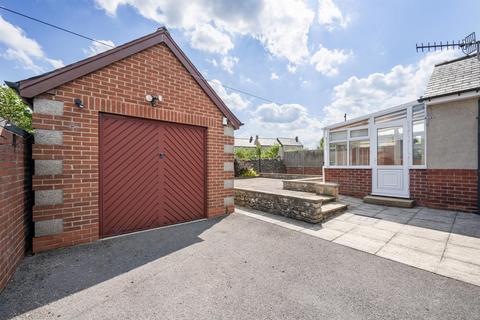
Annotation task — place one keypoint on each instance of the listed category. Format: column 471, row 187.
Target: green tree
column 271, row 152
column 322, row 144
column 14, row 110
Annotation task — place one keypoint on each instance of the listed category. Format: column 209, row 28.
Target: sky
column 304, row 63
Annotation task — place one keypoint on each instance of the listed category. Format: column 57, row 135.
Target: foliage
column 14, row 110
column 252, row 153
column 248, row 173
column 322, row 144
column 246, row 153
column 271, row 152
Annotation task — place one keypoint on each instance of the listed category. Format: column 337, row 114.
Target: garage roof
column 455, row 76
column 34, row 86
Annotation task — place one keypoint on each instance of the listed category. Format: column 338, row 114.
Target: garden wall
column 16, row 199
column 265, row 166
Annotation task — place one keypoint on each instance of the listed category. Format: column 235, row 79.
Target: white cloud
column 27, row 52
column 291, row 68
column 97, row 47
column 280, row 25
column 207, row 38
column 327, row 61
column 233, row 100
column 287, row 120
column 330, row 15
column 361, row 96
column 274, row 76
column 228, row 63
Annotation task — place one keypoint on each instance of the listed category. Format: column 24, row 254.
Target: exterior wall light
column 79, row 103
column 153, row 99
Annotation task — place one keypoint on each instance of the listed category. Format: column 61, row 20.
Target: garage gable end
column 32, row 87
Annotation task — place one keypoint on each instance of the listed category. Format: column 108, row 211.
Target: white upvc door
column 390, row 159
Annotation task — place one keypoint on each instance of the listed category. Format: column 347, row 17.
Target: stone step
column 330, row 209
column 292, row 204
column 313, row 185
column 390, row 201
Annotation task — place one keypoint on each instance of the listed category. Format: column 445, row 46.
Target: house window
column 338, row 154
column 418, row 143
column 360, row 153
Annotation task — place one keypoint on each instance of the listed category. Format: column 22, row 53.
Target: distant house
column 426, row 150
column 244, row 143
column 289, row 144
column 285, row 144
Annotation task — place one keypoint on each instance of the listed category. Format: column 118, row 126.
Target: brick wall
column 305, row 170
column 15, row 201
column 353, row 182
column 454, row 189
column 71, row 188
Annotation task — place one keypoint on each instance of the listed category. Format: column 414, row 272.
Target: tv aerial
column 468, row 45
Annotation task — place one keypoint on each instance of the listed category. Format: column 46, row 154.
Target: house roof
column 266, row 142
column 289, row 142
column 31, row 87
column 244, row 143
column 455, row 76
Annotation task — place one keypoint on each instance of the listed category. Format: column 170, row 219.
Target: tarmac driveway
column 237, row 267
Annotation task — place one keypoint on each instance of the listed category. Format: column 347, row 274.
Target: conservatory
column 375, row 153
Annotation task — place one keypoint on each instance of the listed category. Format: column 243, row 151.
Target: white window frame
column 327, row 146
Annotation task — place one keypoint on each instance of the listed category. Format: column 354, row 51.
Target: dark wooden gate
column 153, row 174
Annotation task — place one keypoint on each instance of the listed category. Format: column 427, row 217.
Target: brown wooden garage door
column 152, row 174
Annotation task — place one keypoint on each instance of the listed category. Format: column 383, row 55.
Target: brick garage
column 15, row 199
column 67, row 183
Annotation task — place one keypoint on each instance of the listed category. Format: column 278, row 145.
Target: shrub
column 14, row 110
column 248, row 173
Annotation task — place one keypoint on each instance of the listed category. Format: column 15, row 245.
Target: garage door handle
column 162, row 155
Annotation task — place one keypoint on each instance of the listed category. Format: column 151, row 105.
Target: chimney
column 296, row 139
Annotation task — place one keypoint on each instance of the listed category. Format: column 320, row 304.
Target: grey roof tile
column 454, row 76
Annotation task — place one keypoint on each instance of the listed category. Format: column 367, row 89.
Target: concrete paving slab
column 428, row 246
column 459, row 270
column 398, row 218
column 465, row 254
column 433, row 225
column 468, row 216
column 465, row 241
column 466, row 228
column 447, row 216
column 409, row 256
column 362, row 220
column 359, row 242
column 389, row 225
column 373, row 233
column 338, row 225
column 324, row 233
column 344, row 216
column 425, row 233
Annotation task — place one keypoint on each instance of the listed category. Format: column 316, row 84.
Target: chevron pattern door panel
column 152, row 174
column 183, row 173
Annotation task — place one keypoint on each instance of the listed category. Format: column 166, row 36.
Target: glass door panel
column 390, row 146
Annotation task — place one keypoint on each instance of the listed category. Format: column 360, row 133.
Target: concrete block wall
column 15, row 201
column 66, row 143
